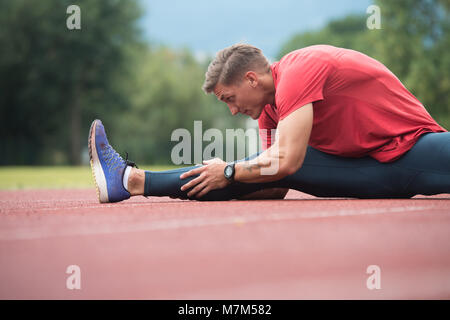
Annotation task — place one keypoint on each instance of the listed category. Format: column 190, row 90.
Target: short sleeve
column 267, row 123
column 301, row 81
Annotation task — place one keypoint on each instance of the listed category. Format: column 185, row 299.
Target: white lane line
column 42, row 231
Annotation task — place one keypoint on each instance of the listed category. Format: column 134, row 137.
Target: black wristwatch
column 229, row 171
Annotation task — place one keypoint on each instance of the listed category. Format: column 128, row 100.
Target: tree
column 54, row 80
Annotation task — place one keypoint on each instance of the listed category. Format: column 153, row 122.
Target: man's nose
column 233, row 109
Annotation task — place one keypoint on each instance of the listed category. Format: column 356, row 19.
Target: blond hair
column 232, row 63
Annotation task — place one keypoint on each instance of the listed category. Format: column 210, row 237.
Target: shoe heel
column 96, row 167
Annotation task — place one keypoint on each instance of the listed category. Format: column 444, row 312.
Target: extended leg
column 425, row 169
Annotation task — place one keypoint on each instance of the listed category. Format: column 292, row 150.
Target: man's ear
column 252, row 78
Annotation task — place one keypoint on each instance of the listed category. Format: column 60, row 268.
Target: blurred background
column 139, row 65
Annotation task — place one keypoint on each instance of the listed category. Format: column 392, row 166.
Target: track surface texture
column 159, row 248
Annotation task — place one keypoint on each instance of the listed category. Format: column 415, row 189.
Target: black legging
column 425, row 169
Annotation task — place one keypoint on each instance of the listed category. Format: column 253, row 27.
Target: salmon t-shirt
column 360, row 107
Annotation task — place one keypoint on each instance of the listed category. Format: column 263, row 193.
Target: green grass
column 58, row 177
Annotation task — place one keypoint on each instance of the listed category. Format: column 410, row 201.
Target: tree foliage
column 53, row 79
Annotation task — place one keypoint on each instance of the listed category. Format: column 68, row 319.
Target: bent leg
column 429, row 159
column 326, row 175
column 266, row 194
column 425, row 169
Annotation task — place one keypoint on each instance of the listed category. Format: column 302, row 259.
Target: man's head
column 240, row 76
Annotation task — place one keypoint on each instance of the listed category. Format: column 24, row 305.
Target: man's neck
column 269, row 88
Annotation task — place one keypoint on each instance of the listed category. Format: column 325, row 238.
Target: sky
column 207, row 26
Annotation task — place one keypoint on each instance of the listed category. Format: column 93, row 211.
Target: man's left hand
column 210, row 177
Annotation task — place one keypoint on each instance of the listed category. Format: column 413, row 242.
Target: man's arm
column 286, row 155
column 283, row 158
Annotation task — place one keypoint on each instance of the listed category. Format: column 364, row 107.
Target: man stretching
column 346, row 127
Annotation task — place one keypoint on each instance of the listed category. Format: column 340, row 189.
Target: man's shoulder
column 315, row 51
column 305, row 58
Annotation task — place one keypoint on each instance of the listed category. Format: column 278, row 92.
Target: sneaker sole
column 96, row 167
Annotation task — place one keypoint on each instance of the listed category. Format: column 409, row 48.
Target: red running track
column 159, row 248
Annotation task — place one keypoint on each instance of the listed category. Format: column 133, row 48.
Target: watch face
column 228, row 171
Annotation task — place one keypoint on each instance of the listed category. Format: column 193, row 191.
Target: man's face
column 245, row 97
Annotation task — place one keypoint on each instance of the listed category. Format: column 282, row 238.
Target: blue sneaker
column 107, row 166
